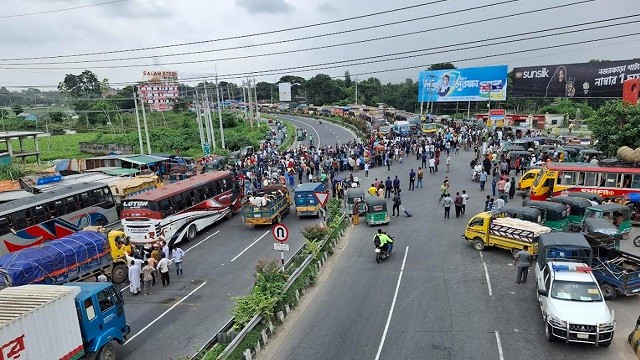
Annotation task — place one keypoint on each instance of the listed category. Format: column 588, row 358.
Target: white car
column 572, row 304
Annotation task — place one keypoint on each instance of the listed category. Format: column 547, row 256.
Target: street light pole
column 219, row 112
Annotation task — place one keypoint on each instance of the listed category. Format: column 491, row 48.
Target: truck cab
column 100, row 309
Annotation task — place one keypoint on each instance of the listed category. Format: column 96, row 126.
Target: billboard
column 597, row 79
column 468, row 84
column 284, row 90
column 159, row 89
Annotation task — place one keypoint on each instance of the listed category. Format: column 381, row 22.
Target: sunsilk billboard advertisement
column 468, row 84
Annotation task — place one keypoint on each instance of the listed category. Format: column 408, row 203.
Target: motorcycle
column 476, row 176
column 320, row 122
column 382, row 254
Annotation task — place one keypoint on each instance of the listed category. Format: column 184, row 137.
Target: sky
column 43, row 28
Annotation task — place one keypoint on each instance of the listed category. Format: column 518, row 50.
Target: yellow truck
column 267, row 207
column 488, row 229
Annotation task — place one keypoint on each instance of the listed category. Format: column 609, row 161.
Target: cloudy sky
column 42, row 29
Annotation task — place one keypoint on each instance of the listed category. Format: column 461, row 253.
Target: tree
column 104, row 87
column 264, row 90
column 347, row 79
column 85, row 85
column 56, row 116
column 568, row 107
column 442, row 66
column 17, row 109
column 614, row 125
column 321, row 90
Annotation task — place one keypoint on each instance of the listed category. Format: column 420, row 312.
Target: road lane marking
column 253, row 243
column 164, row 313
column 393, row 304
column 312, row 128
column 201, row 241
column 486, row 274
column 500, row 353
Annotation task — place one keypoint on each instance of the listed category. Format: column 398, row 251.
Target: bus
column 55, row 214
column 133, row 186
column 560, row 178
column 177, row 211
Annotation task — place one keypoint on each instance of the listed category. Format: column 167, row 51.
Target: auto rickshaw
column 576, row 207
column 376, row 210
column 515, row 154
column 633, row 204
column 596, row 226
column 554, row 214
column 619, row 215
column 527, row 179
column 522, row 213
column 589, row 196
column 350, row 199
column 588, row 154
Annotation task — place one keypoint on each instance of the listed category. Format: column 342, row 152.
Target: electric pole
column 135, row 102
column 209, row 121
column 219, row 111
column 146, row 127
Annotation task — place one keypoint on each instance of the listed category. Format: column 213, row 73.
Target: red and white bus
column 176, row 212
column 558, row 178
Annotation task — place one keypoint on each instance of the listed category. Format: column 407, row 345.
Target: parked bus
column 133, row 186
column 558, row 178
column 177, row 211
column 55, row 214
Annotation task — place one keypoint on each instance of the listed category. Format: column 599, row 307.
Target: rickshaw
column 589, row 196
column 522, row 213
column 633, row 204
column 619, row 215
column 554, row 215
column 376, row 210
column 350, row 199
column 576, row 208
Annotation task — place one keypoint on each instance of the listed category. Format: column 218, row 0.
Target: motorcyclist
column 383, row 241
column 311, row 139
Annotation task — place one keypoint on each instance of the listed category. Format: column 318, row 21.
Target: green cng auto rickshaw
column 618, row 215
column 376, row 210
column 351, row 197
column 576, row 207
column 554, row 215
column 589, row 196
column 522, row 213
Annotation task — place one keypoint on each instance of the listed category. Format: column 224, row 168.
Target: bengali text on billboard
column 601, row 79
column 468, row 84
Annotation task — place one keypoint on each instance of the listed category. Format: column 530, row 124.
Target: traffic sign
column 280, row 247
column 322, row 197
column 280, row 233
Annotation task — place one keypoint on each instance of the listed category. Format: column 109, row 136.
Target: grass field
column 57, row 146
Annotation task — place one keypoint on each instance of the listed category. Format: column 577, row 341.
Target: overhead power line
column 60, row 10
column 271, row 32
column 311, row 37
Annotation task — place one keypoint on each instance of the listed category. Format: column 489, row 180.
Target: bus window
column 59, row 207
column 625, row 181
column 86, row 199
column 609, row 180
column 178, row 203
column 5, row 225
column 200, row 190
column 165, row 207
column 568, row 178
column 107, row 197
column 635, row 182
column 580, row 178
column 590, row 179
column 39, row 214
column 72, row 204
column 21, row 220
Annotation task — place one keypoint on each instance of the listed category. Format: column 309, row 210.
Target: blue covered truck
column 307, row 203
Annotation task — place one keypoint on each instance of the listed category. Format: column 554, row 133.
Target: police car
column 572, row 304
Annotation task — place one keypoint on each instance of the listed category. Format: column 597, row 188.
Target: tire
column 379, row 257
column 636, row 241
column 119, row 273
column 478, row 244
column 192, row 231
column 230, row 214
column 108, row 352
column 605, row 344
column 548, row 334
column 319, row 215
column 609, row 292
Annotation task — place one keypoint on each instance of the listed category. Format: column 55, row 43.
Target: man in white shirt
column 178, row 254
column 505, row 195
column 165, row 249
column 163, row 267
column 465, row 198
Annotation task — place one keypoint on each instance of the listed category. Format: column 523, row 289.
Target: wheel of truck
column 548, row 334
column 191, row 232
column 119, row 273
column 609, row 292
column 319, row 214
column 108, row 352
column 230, row 213
column 478, row 244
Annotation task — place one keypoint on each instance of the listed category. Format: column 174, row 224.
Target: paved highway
column 436, row 298
column 174, row 322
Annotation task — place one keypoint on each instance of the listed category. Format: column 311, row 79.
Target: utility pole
column 249, row 101
column 199, row 120
column 135, row 101
column 146, row 127
column 244, row 99
column 219, row 111
column 356, row 90
column 209, row 121
column 255, row 93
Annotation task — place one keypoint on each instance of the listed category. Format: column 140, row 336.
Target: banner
column 468, row 84
column 597, row 79
column 284, row 89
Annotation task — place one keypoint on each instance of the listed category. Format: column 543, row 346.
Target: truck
column 74, row 321
column 571, row 301
column 488, row 229
column 76, row 257
column 402, row 127
column 307, row 203
column 267, row 207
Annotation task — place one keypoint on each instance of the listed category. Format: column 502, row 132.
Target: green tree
column 17, row 109
column 614, row 125
column 441, row 66
column 85, row 85
column 568, row 107
column 347, row 79
column 56, row 116
column 322, row 89
column 264, row 91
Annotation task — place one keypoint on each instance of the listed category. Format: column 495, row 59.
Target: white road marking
column 486, row 274
column 393, row 304
column 164, row 313
column 500, row 353
column 201, row 241
column 312, row 128
column 253, row 243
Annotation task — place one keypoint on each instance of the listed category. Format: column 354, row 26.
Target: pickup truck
column 487, row 229
column 267, row 207
column 571, row 302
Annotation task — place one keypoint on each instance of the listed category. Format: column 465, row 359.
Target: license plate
column 582, row 336
column 377, row 250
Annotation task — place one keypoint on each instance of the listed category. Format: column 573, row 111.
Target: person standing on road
column 457, row 202
column 355, row 215
column 483, row 179
column 366, row 170
column 424, row 159
column 147, row 277
column 447, row 202
column 396, row 184
column 512, row 188
column 523, row 260
column 420, row 176
column 444, row 190
column 412, row 180
column 494, row 184
column 165, row 249
column 163, row 267
column 134, row 278
column 178, row 254
column 388, row 184
column 488, row 204
column 448, row 162
column 432, row 166
column 505, row 193
column 396, row 204
column 465, row 198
